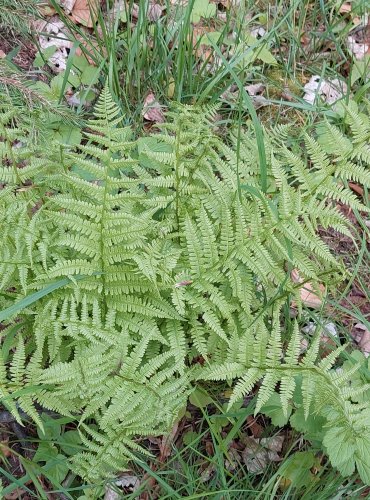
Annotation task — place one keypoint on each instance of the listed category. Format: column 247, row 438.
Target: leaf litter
column 258, row 453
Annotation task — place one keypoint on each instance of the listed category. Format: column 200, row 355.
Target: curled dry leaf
column 310, row 296
column 85, row 12
column 152, row 110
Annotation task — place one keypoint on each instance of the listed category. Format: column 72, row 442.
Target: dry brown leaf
column 85, row 12
column 310, row 296
column 234, row 459
column 207, row 473
column 259, row 452
column 154, row 12
column 89, row 50
column 364, row 343
column 255, row 427
column 67, row 5
column 2, row 54
column 345, row 8
column 152, row 110
column 203, row 49
column 329, row 90
column 356, row 188
column 255, row 89
column 127, row 482
column 165, row 446
column 5, row 451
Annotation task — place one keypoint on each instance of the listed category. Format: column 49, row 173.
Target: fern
column 168, row 262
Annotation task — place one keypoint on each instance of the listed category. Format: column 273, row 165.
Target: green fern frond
column 184, row 275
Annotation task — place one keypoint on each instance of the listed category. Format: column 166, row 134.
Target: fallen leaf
column 364, row 343
column 128, row 483
column 345, row 8
column 258, row 32
column 356, row 188
column 111, row 494
column 85, row 12
column 259, row 452
column 234, row 460
column 296, row 470
column 2, row 54
column 255, row 427
column 67, row 5
column 152, row 110
column 207, row 473
column 90, row 46
column 165, row 446
column 329, row 90
column 358, row 49
column 121, row 9
column 201, row 36
column 54, row 35
column 303, row 345
column 255, row 89
column 154, row 12
column 310, row 296
column 5, row 451
column 209, row 448
column 274, row 443
column 257, row 100
column 328, row 333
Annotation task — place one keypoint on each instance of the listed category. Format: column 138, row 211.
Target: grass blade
column 34, row 297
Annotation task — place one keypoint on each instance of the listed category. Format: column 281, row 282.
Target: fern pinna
column 174, row 254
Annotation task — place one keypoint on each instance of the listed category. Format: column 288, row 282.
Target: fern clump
column 173, row 254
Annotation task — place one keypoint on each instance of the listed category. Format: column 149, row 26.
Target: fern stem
column 177, row 177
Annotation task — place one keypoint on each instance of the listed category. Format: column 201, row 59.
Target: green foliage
column 185, row 265
column 54, row 448
column 202, row 8
column 296, row 470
